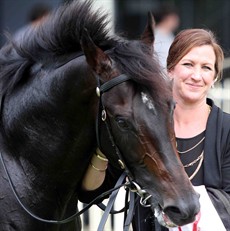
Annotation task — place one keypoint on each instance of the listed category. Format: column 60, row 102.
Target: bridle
column 102, row 116
column 131, row 184
column 133, row 187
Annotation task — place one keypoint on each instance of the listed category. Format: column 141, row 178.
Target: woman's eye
column 122, row 123
column 207, row 68
column 187, row 64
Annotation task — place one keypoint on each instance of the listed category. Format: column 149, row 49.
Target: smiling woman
column 192, row 38
column 194, row 75
column 202, row 129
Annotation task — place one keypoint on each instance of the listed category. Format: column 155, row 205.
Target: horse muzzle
column 173, row 213
column 173, row 216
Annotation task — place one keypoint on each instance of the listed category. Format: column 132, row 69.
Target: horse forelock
column 135, row 59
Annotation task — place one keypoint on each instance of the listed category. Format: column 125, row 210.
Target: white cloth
column 161, row 45
column 209, row 220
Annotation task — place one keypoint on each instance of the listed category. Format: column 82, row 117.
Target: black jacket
column 217, row 161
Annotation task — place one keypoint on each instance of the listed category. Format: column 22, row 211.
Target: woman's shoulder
column 219, row 121
column 225, row 116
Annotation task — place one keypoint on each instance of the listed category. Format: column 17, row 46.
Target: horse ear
column 148, row 36
column 97, row 59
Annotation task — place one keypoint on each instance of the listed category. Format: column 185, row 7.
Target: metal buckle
column 144, row 196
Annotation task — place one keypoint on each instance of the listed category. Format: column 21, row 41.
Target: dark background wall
column 131, row 15
column 14, row 14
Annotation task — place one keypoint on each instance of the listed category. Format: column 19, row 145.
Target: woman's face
column 194, row 74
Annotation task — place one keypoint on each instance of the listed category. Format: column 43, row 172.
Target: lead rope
column 128, row 218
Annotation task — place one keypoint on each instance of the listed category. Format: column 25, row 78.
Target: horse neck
column 50, row 147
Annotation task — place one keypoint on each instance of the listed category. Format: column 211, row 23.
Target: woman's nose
column 197, row 74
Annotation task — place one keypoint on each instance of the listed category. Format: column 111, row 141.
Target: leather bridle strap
column 101, row 111
column 102, row 89
column 111, row 202
column 129, row 217
column 113, row 82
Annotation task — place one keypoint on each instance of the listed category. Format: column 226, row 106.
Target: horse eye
column 172, row 106
column 122, row 123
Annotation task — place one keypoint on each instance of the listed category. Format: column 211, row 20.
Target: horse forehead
column 128, row 101
column 147, row 101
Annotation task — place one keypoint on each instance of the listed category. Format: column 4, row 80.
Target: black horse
column 49, row 127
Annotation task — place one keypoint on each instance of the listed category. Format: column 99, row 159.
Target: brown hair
column 190, row 38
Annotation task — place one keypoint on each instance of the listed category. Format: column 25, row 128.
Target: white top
column 162, row 44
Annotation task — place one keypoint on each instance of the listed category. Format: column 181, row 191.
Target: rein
column 107, row 210
column 72, row 217
column 130, row 185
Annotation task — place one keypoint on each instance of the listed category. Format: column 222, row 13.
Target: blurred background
column 130, row 15
column 128, row 18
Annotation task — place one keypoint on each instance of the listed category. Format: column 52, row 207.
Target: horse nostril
column 179, row 216
column 181, row 212
column 176, row 212
column 172, row 210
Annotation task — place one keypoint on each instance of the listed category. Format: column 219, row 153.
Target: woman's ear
column 170, row 74
column 213, row 83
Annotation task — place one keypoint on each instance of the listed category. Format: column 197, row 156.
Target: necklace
column 190, row 149
column 194, row 161
column 199, row 165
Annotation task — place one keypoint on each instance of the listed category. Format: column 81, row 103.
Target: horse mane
column 58, row 38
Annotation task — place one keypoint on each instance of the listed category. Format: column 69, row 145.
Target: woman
column 202, row 129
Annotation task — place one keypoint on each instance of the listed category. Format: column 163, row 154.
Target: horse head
column 136, row 117
column 49, row 108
